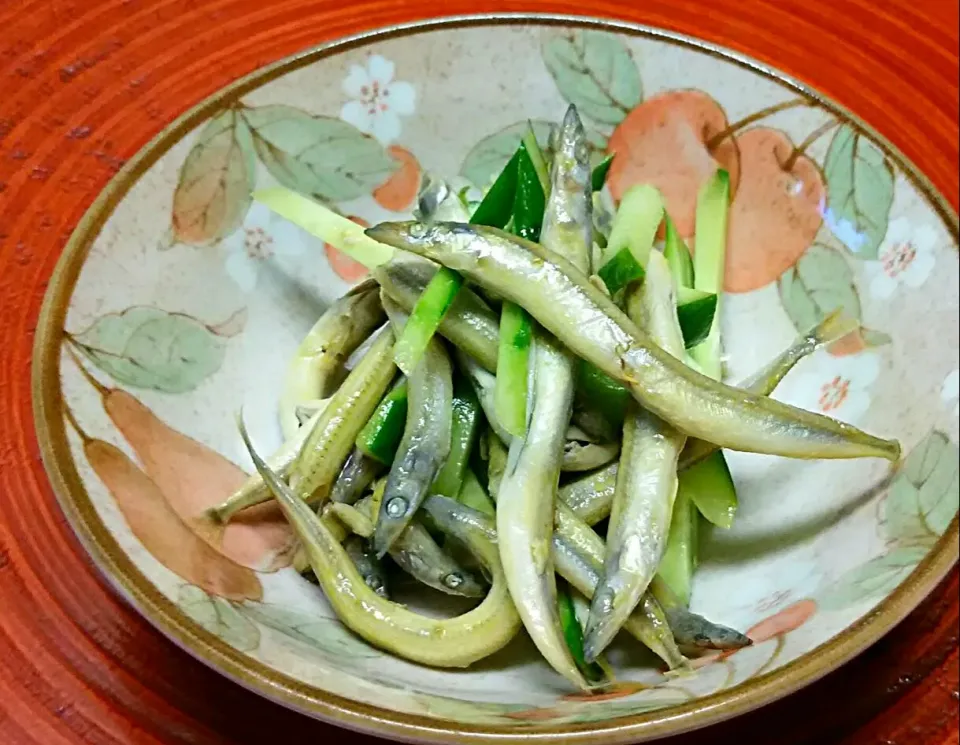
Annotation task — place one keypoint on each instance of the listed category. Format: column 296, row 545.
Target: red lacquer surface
column 86, row 83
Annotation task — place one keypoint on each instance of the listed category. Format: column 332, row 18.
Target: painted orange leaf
column 535, row 715
column 216, row 181
column 193, row 478
column 398, row 192
column 852, row 343
column 162, row 532
column 789, row 619
column 608, row 693
column 708, row 659
column 857, row 341
column 779, row 624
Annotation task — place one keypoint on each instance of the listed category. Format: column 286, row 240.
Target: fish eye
column 397, row 507
column 453, row 580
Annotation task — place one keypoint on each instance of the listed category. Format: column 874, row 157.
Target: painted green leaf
column 819, row 283
column 488, row 157
column 597, row 142
column 874, row 579
column 150, row 348
column 235, row 629
column 197, row 604
column 327, row 635
column 477, row 712
column 219, row 617
column 216, row 181
column 318, row 155
column 874, row 338
column 653, row 700
column 860, row 186
column 595, row 71
column 925, row 494
column 902, row 518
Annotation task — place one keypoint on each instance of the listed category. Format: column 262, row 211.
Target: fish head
column 433, row 192
column 431, row 240
column 463, row 583
column 411, row 235
column 571, row 140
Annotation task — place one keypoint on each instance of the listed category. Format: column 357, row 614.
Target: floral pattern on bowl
column 192, row 297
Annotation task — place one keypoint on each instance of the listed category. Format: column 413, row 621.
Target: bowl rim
column 129, row 582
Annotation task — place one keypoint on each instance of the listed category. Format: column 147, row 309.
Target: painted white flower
column 378, row 101
column 906, row 256
column 838, row 387
column 262, row 237
column 950, row 391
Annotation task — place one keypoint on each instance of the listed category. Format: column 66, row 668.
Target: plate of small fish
column 604, row 413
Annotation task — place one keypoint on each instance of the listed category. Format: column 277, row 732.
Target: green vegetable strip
column 599, row 174
column 380, row 436
column 687, row 295
column 530, row 199
column 603, row 393
column 710, row 486
column 465, row 420
column 636, row 222
column 340, row 232
column 530, row 144
column 513, row 368
column 620, row 270
column 597, row 390
column 696, row 319
column 680, row 557
column 477, row 465
column 473, row 495
column 713, row 204
column 573, row 633
column 496, row 209
column 426, row 316
column 631, row 238
column 516, row 328
column 677, row 255
column 709, row 483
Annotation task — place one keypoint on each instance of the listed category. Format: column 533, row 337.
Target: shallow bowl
column 178, row 300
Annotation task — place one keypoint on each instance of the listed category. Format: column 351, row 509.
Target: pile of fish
column 425, row 465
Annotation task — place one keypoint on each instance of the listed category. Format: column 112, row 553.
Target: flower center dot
column 833, row 394
column 899, row 258
column 258, row 243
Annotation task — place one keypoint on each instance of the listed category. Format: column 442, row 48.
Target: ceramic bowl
column 178, row 300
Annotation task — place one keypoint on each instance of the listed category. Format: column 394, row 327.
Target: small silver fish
column 557, row 295
column 425, row 443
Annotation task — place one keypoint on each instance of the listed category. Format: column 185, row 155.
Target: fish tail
column 834, row 326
